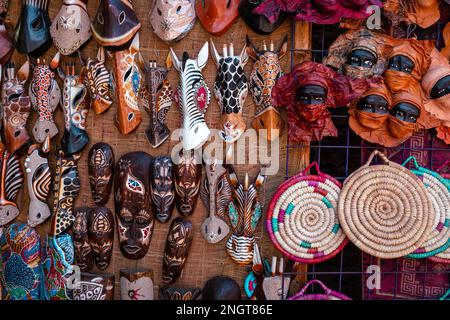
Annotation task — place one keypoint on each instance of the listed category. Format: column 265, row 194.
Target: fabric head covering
column 424, row 13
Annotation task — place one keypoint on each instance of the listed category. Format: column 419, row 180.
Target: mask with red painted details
column 217, row 16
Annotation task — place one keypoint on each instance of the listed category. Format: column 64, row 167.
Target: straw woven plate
column 385, row 209
column 302, row 220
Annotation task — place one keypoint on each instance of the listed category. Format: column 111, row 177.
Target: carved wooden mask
column 230, row 89
column 6, row 46
column 101, row 170
column 83, row 249
column 176, row 293
column 132, row 204
column 193, row 97
column 217, row 16
column 16, row 107
column 171, row 20
column 178, row 244
column 136, row 284
column 101, row 236
column 162, row 187
column 259, row 23
column 221, row 288
column 71, row 27
column 95, row 287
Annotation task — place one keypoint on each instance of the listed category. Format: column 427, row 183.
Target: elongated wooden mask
column 101, row 236
column 187, row 175
column 101, row 170
column 83, row 250
column 162, row 187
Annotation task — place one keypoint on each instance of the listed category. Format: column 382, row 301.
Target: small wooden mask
column 45, row 96
column 16, row 107
column 230, row 89
column 136, row 284
column 171, row 20
column 193, row 97
column 259, row 23
column 95, row 287
column 217, row 16
column 6, row 46
column 101, row 236
column 266, row 71
column 176, row 293
column 178, row 244
column 71, row 28
column 132, row 204
column 83, row 250
column 101, row 170
column 115, row 23
column 162, row 187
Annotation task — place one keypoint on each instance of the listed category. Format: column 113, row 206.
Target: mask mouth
column 130, row 249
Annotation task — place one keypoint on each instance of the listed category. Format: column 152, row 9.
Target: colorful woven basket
column 438, row 190
column 327, row 295
column 385, row 209
column 302, row 221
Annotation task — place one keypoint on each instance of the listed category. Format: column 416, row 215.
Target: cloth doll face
column 405, row 111
column 362, row 58
column 401, row 63
column 311, row 95
column 374, row 104
column 441, row 88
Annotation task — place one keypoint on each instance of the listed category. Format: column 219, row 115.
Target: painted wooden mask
column 101, row 236
column 23, row 277
column 115, row 23
column 136, row 284
column 171, row 20
column 266, row 71
column 16, row 107
column 6, row 46
column 132, row 204
column 94, row 287
column 83, row 249
column 217, row 16
column 71, row 28
column 176, row 293
column 101, row 170
column 162, row 187
column 75, row 106
column 45, row 96
column 259, row 23
column 127, row 83
column 193, row 97
column 221, row 288
column 178, row 244
column 230, row 89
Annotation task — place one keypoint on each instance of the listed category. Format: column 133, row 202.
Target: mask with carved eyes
column 132, row 204
column 217, row 16
column 162, row 187
column 101, row 236
column 177, row 293
column 101, row 170
column 94, row 287
column 83, row 248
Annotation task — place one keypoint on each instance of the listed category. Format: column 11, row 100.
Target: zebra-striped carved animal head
column 192, row 97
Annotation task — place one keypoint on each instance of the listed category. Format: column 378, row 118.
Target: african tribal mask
column 101, row 169
column 6, row 46
column 178, row 244
column 230, row 89
column 171, row 20
column 75, row 106
column 127, row 82
column 16, row 107
column 83, row 250
column 266, row 71
column 158, row 99
column 217, row 16
column 11, row 180
column 187, row 175
column 101, row 236
column 23, row 277
column 39, row 179
column 175, row 293
column 71, row 27
column 192, row 97
column 244, row 212
column 136, row 284
column 216, row 195
column 94, row 287
column 221, row 288
column 162, row 187
column 45, row 95
column 259, row 23
column 97, row 80
column 132, row 204
column 115, row 23
column 32, row 35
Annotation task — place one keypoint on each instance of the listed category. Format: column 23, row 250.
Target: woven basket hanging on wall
column 302, row 220
column 385, row 209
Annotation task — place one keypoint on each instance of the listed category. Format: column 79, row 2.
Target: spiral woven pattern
column 385, row 210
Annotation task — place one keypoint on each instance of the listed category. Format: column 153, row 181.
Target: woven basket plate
column 385, row 209
column 302, row 220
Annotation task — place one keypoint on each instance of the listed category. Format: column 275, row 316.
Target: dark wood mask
column 101, row 236
column 136, row 284
column 101, row 170
column 6, row 46
column 162, row 187
column 178, row 244
column 83, row 250
column 259, row 23
column 132, row 204
column 221, row 288
column 217, row 16
column 95, row 287
column 187, row 175
column 176, row 293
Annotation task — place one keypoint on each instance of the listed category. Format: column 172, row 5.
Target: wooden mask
column 11, row 180
column 71, row 27
column 221, row 288
column 259, row 23
column 132, row 204
column 101, row 236
column 45, row 96
column 75, row 106
column 101, row 170
column 178, row 243
column 6, row 46
column 97, row 80
column 127, row 83
column 193, row 97
column 39, row 179
column 230, row 89
column 16, row 107
column 175, row 293
column 115, row 23
column 171, row 20
column 94, row 287
column 266, row 71
column 83, row 250
column 244, row 212
column 162, row 187
column 217, row 16
column 136, row 284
